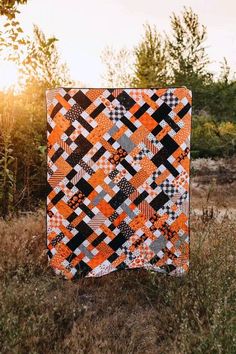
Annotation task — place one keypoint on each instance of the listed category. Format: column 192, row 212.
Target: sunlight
column 8, row 75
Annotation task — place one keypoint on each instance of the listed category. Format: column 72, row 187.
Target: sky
column 84, row 28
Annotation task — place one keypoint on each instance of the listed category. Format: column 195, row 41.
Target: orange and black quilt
column 118, row 180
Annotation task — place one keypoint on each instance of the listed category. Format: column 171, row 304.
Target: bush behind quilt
column 118, row 180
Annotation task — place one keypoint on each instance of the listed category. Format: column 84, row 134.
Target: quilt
column 118, row 163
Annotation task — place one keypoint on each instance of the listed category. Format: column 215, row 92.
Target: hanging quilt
column 118, row 180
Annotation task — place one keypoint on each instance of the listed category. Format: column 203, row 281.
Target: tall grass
column 7, row 178
column 131, row 311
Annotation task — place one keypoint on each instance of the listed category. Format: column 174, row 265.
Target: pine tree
column 187, row 55
column 150, row 60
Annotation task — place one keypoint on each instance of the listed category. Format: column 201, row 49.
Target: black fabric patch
column 98, row 154
column 82, row 270
column 82, row 99
column 84, row 187
column 161, row 112
column 57, row 154
column 57, row 197
column 125, row 100
column 117, row 241
column 184, row 110
column 140, row 198
column 99, row 239
column 169, row 144
column 117, row 200
column 159, row 201
column 97, row 110
column 56, row 109
column 141, row 110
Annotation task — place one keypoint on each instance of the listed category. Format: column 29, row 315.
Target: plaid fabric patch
column 118, row 180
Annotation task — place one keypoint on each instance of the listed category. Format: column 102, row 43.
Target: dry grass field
column 132, row 311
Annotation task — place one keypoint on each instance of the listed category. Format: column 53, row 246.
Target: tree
column 150, row 60
column 9, row 7
column 23, row 154
column 220, row 95
column 37, row 58
column 225, row 72
column 117, row 67
column 211, row 138
column 42, row 61
column 187, row 54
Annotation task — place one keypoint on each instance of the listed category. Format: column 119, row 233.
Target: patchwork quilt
column 118, row 180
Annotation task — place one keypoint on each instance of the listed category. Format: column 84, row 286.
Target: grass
column 133, row 311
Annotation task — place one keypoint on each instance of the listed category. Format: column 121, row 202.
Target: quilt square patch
column 118, row 180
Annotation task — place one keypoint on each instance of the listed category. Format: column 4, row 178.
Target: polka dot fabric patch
column 118, row 180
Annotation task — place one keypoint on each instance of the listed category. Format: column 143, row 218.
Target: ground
column 131, row 311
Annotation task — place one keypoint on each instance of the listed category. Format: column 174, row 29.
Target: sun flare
column 8, row 75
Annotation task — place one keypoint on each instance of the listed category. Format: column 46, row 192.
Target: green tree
column 150, row 67
column 187, row 55
column 211, row 138
column 220, row 95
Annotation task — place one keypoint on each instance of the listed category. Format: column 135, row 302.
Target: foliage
column 42, row 61
column 12, row 41
column 187, row 55
column 117, row 67
column 37, row 58
column 150, row 60
column 9, row 7
column 27, row 134
column 220, row 96
column 212, row 138
column 7, row 178
column 41, row 68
